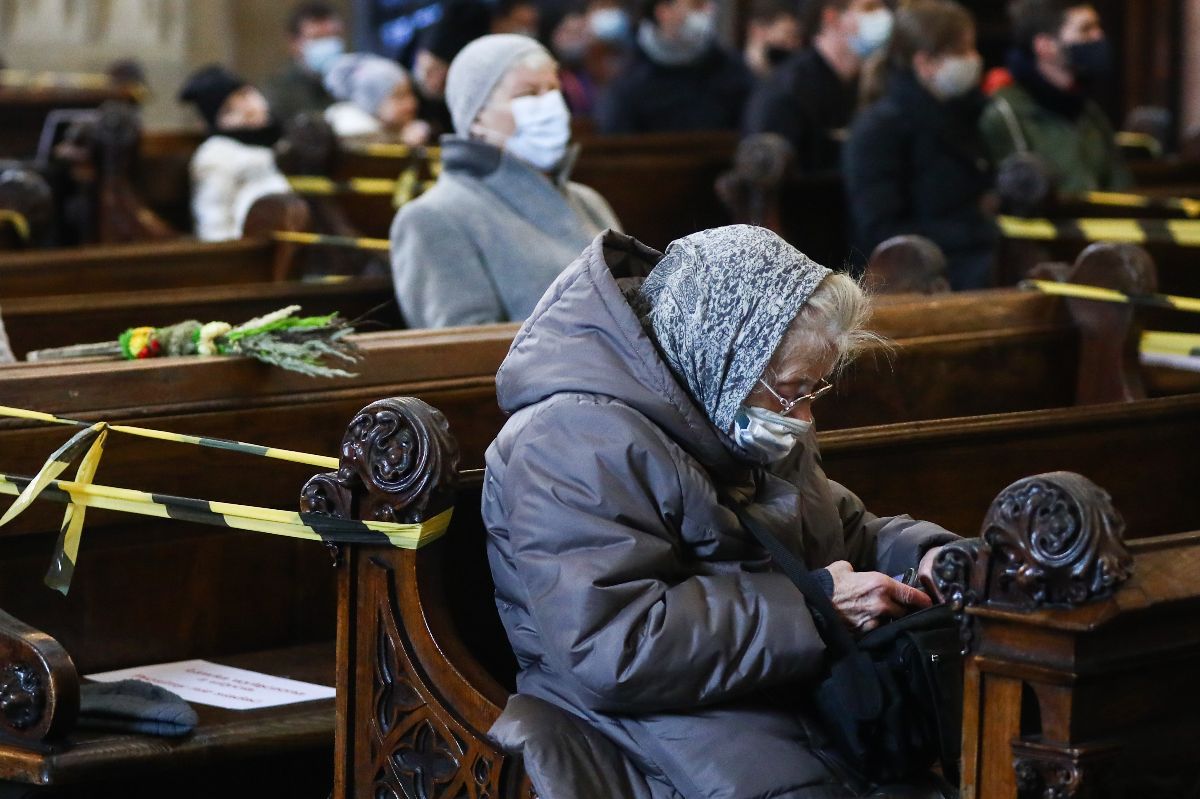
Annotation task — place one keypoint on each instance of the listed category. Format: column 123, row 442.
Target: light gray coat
column 631, row 595
column 486, row 241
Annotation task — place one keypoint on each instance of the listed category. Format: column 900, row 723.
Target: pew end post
column 907, row 265
column 1080, row 662
column 413, row 703
column 285, row 213
column 39, row 687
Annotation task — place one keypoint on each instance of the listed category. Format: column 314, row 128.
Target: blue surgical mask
column 319, row 54
column 874, row 30
column 610, row 25
column 543, row 130
column 767, row 436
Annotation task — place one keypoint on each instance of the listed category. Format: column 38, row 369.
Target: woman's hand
column 866, row 600
column 925, row 572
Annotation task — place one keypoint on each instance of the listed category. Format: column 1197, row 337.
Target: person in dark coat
column 810, row 99
column 679, row 77
column 915, row 161
column 641, row 412
column 315, row 40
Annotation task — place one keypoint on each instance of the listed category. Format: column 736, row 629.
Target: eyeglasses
column 823, row 388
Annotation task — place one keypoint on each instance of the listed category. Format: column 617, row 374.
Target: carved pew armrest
column 39, row 686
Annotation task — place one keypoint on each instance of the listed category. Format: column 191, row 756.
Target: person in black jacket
column 915, row 161
column 679, row 78
column 810, row 99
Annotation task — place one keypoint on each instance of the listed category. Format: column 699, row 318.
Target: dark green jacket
column 1083, row 151
column 294, row 91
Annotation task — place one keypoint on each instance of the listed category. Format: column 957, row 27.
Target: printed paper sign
column 221, row 686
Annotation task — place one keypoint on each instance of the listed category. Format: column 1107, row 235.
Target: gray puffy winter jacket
column 631, row 595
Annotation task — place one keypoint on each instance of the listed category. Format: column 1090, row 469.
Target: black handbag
column 891, row 703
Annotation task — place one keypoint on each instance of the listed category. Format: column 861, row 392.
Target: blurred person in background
column 375, row 99
column 235, row 165
column 812, row 97
column 516, row 16
column 915, row 161
column 1061, row 52
column 503, row 218
column 679, row 77
column 462, row 22
column 772, row 34
column 591, row 42
column 315, row 39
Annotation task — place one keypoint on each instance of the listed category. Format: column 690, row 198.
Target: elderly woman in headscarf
column 495, row 230
column 642, row 413
column 375, row 99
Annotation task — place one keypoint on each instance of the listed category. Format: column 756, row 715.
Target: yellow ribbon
column 18, row 221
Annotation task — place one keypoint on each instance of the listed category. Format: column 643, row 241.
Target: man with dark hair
column 1060, row 51
column 772, row 34
column 811, row 98
column 516, row 16
column 315, row 32
column 679, row 77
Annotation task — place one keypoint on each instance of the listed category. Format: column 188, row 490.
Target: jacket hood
column 584, row 337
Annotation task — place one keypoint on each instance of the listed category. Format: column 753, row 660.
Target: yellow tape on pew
column 316, row 184
column 1183, row 232
column 1134, row 140
column 385, row 150
column 1081, row 292
column 87, row 446
column 1168, row 343
column 17, row 220
column 351, row 242
column 1186, row 205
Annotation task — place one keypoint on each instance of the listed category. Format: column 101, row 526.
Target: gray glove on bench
column 134, row 706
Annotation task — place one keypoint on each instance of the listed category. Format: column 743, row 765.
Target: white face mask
column 319, row 54
column 610, row 25
column 874, row 30
column 767, row 435
column 543, row 130
column 956, row 76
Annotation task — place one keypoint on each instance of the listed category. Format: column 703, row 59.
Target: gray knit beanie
column 364, row 79
column 475, row 72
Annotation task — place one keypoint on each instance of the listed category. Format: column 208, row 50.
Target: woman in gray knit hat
column 653, row 635
column 495, row 230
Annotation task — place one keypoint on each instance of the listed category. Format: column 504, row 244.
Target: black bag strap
column 847, row 656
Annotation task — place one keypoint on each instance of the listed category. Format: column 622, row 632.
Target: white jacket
column 227, row 177
column 347, row 119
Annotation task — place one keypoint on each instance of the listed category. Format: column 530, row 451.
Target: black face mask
column 777, row 55
column 266, row 136
column 1090, row 60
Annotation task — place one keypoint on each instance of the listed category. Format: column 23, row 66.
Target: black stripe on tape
column 1157, row 230
column 233, row 446
column 1150, row 300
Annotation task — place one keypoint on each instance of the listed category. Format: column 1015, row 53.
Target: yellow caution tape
column 1082, row 292
column 289, row 455
column 352, row 242
column 1189, row 206
column 384, row 150
column 17, row 220
column 87, row 447
column 1184, row 232
column 315, row 184
column 1131, row 139
column 1171, row 343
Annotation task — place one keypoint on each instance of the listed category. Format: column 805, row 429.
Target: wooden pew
column 24, row 108
column 424, row 668
column 105, row 623
column 65, row 319
column 661, row 186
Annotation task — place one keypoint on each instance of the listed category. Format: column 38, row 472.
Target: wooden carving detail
column 751, row 189
column 1050, row 772
column 399, row 463
column 907, row 264
column 956, row 573
column 1055, row 539
column 22, row 696
column 415, row 752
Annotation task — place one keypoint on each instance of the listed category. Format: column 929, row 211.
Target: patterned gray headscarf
column 718, row 304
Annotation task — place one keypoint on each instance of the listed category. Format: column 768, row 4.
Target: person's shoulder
column 609, row 424
column 436, row 212
column 1016, row 96
column 222, row 153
